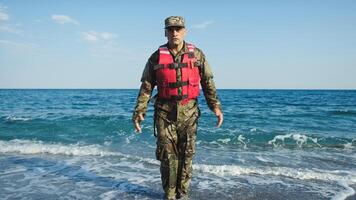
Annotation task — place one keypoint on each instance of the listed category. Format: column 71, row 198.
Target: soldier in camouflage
column 176, row 119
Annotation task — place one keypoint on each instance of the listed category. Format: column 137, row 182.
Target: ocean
column 273, row 144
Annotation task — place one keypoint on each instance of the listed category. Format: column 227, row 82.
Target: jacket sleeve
column 147, row 84
column 207, row 82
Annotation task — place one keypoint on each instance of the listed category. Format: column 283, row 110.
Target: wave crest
column 299, row 139
column 12, row 118
column 39, row 147
column 343, row 112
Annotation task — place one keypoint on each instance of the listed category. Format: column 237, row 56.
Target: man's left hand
column 220, row 117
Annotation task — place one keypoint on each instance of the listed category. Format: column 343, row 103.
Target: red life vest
column 166, row 76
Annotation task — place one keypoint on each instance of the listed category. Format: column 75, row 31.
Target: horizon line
column 156, row 88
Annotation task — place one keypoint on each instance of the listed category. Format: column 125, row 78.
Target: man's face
column 175, row 35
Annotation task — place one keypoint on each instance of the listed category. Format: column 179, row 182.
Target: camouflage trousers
column 176, row 148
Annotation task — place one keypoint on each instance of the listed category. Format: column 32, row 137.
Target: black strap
column 179, row 97
column 154, row 122
column 159, row 66
column 197, row 64
column 178, row 84
column 177, row 65
column 171, row 66
column 191, row 55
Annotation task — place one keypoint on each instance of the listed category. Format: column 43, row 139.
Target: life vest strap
column 177, row 65
column 191, row 55
column 171, row 66
column 178, row 84
column 159, row 66
column 179, row 97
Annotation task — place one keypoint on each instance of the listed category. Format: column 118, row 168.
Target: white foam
column 112, row 194
column 348, row 145
column 343, row 111
column 216, row 143
column 205, row 184
column 300, row 139
column 107, row 143
column 225, row 141
column 12, row 118
column 260, row 158
column 242, row 139
column 349, row 191
column 263, row 181
column 342, row 178
column 131, row 138
column 39, row 147
column 304, row 174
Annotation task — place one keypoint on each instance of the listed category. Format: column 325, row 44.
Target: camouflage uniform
column 176, row 123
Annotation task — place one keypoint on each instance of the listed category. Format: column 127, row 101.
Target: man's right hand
column 137, row 122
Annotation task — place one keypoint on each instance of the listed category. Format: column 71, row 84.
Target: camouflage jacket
column 149, row 82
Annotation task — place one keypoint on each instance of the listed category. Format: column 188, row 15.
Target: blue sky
column 276, row 44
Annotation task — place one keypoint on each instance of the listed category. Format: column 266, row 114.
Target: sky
column 251, row 44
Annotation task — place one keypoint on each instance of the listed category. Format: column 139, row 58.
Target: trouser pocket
column 159, row 152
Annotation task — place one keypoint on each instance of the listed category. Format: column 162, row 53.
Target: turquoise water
column 274, row 144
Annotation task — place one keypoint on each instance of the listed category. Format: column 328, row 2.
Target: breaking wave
column 13, row 118
column 299, row 139
column 289, row 140
column 39, row 147
column 343, row 178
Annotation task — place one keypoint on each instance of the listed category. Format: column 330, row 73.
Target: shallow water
column 274, row 144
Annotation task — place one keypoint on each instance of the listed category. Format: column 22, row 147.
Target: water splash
column 242, row 139
column 299, row 139
column 12, row 118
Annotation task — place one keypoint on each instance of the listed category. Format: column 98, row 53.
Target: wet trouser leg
column 186, row 147
column 175, row 150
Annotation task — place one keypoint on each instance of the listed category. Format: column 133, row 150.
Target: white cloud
column 9, row 29
column 203, row 25
column 107, row 36
column 63, row 19
column 89, row 37
column 5, row 26
column 3, row 15
column 93, row 36
column 21, row 48
column 108, row 50
column 38, row 20
column 18, row 45
column 10, row 43
column 104, row 45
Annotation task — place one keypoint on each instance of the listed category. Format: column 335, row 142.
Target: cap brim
column 174, row 26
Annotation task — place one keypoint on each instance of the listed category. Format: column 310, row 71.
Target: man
column 176, row 68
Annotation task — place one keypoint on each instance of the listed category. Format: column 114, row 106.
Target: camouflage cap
column 174, row 21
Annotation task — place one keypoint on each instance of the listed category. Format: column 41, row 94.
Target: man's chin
column 177, row 43
column 174, row 44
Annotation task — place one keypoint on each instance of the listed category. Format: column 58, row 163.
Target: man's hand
column 137, row 122
column 220, row 117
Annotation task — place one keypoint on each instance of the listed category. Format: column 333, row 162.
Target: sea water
column 273, row 144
